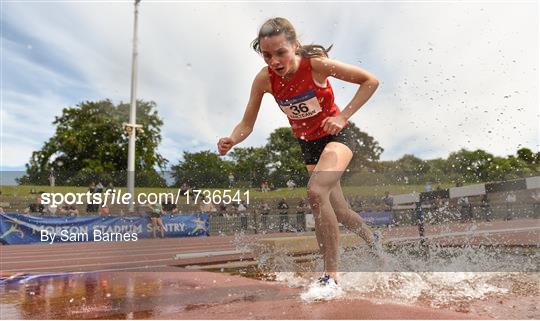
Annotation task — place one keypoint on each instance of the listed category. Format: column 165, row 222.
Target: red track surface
column 148, row 254
column 122, row 289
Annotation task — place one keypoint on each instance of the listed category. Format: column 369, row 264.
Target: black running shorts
column 312, row 149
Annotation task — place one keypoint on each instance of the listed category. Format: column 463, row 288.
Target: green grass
column 23, row 191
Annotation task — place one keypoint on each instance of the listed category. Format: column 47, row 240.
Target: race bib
column 302, row 106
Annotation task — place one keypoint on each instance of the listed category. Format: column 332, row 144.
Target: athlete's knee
column 316, row 193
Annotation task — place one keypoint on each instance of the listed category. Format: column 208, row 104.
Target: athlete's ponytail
column 277, row 26
column 311, row 51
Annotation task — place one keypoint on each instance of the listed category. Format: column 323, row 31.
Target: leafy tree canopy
column 90, row 144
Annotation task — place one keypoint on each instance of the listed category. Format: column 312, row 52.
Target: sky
column 452, row 74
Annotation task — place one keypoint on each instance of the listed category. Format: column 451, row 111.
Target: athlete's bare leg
column 154, row 226
column 324, row 176
column 161, row 227
column 349, row 218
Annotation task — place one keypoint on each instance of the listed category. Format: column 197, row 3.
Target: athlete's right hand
column 224, row 145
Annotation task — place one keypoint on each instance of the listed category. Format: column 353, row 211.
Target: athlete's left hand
column 333, row 125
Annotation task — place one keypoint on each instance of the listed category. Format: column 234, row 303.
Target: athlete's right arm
column 245, row 127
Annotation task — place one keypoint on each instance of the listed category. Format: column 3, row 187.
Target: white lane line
column 466, row 233
column 111, row 263
column 121, row 250
column 83, row 265
column 17, row 249
column 133, row 268
column 107, row 270
column 107, row 246
column 4, row 262
column 206, row 254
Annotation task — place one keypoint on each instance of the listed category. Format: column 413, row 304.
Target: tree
column 251, row 165
column 285, row 158
column 411, row 169
column 508, row 168
column 436, row 171
column 366, row 150
column 90, row 145
column 469, row 166
column 526, row 155
column 202, row 170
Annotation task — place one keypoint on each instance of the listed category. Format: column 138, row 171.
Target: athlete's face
column 279, row 54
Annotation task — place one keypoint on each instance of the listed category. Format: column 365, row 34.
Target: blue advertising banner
column 378, row 218
column 22, row 229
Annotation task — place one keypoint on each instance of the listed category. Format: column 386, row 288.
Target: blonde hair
column 277, row 26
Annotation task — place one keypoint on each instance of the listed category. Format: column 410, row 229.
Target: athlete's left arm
column 332, row 68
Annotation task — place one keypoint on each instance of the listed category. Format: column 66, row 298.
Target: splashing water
column 322, row 292
column 439, row 277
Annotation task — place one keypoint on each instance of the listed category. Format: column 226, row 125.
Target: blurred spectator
column 231, row 210
column 265, row 211
column 231, row 180
column 283, row 209
column 291, row 184
column 420, row 222
column 301, row 210
column 99, row 188
column 486, row 208
column 2, row 211
column 427, row 187
column 388, row 201
column 36, row 207
column 241, row 210
column 155, row 215
column 169, row 206
column 264, row 187
column 52, row 179
column 90, row 207
column 184, row 189
column 510, row 202
column 207, row 206
column 50, row 209
column 110, row 187
column 535, row 195
column 68, row 210
column 222, row 209
column 104, row 210
column 465, row 208
column 433, row 208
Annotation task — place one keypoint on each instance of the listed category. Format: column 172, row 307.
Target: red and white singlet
column 304, row 102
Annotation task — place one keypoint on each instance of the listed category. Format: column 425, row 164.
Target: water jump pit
column 466, row 271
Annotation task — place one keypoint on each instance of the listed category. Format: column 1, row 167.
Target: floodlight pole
column 131, row 127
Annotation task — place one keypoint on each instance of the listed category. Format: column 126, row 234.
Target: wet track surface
column 142, row 281
column 182, row 295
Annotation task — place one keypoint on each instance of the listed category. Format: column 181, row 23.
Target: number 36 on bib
column 302, row 106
